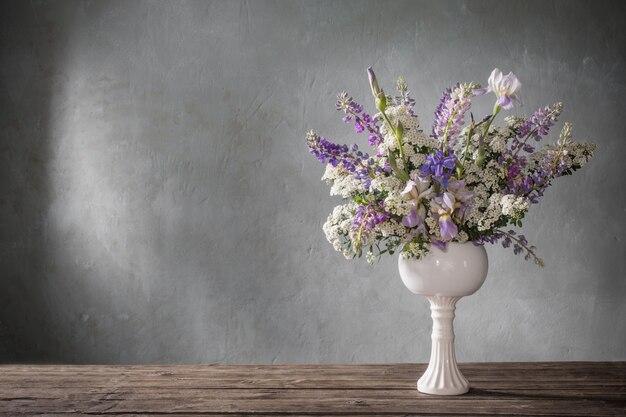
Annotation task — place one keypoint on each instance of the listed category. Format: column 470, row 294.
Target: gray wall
column 158, row 204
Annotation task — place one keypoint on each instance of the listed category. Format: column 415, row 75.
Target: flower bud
column 381, row 102
column 373, row 83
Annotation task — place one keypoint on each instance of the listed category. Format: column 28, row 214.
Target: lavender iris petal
column 448, row 228
column 411, row 220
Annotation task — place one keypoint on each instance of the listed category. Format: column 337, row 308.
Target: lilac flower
column 439, row 166
column 505, row 87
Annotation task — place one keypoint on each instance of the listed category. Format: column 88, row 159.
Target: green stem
column 398, row 139
column 445, row 132
column 469, row 138
column 403, row 175
column 496, row 110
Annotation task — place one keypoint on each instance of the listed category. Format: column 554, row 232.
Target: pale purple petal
column 495, row 78
column 448, row 200
column 439, row 244
column 513, row 83
column 410, row 184
column 480, row 91
column 448, row 228
column 411, row 220
column 505, row 101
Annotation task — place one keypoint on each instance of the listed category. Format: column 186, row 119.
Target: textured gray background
column 158, row 204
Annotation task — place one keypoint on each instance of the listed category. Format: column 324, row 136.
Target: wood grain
column 505, row 389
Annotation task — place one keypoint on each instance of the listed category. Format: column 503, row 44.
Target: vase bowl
column 457, row 271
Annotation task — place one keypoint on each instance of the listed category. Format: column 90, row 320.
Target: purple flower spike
column 450, row 113
column 362, row 120
column 536, row 126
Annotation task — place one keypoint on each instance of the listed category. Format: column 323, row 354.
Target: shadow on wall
column 78, row 238
column 46, row 159
column 32, row 47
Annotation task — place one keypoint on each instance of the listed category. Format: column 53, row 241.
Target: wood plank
column 525, row 389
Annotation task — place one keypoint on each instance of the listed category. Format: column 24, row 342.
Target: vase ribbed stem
column 442, row 377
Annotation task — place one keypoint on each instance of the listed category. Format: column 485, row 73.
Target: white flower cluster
column 492, row 213
column 412, row 137
column 337, row 228
column 513, row 206
column 342, row 182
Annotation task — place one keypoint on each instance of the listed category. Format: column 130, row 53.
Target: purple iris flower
column 505, row 87
column 439, row 166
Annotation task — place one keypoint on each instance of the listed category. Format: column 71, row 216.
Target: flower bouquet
column 466, row 181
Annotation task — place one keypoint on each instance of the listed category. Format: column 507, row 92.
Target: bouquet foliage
column 457, row 184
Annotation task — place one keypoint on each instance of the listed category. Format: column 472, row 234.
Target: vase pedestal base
column 442, row 377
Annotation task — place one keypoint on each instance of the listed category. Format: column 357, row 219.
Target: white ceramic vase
column 443, row 277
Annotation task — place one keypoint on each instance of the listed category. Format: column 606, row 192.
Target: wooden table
column 520, row 389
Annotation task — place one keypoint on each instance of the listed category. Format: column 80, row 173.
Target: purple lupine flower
column 450, row 112
column 366, row 218
column 404, row 99
column 442, row 113
column 439, row 166
column 351, row 159
column 535, row 127
column 362, row 120
column 552, row 165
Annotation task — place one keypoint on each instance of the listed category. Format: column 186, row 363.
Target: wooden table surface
column 520, row 389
